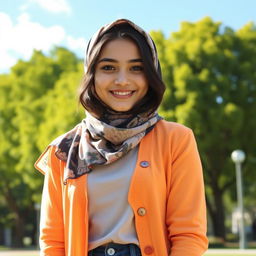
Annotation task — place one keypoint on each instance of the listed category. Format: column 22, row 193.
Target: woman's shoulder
column 44, row 160
column 172, row 128
column 172, row 133
column 69, row 134
column 48, row 157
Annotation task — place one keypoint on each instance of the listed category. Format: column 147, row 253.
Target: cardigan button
column 141, row 211
column 148, row 250
column 144, row 164
column 111, row 251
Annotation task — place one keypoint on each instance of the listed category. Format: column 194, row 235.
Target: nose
column 122, row 78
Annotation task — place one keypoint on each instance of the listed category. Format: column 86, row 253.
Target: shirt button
column 111, row 251
column 144, row 164
column 141, row 211
column 148, row 250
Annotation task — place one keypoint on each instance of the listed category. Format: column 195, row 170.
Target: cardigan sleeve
column 186, row 208
column 51, row 221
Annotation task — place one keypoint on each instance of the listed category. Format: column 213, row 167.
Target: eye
column 107, row 68
column 137, row 68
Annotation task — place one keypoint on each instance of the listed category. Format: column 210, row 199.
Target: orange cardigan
column 166, row 194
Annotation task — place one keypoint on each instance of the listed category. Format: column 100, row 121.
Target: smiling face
column 120, row 81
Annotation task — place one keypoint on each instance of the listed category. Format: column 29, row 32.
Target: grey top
column 111, row 218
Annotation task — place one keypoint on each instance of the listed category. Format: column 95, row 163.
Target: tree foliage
column 213, row 85
column 37, row 103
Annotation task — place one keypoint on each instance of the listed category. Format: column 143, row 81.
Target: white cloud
column 76, row 43
column 18, row 40
column 6, row 61
column 55, row 6
column 24, row 7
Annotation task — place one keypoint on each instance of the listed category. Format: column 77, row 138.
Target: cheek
column 99, row 82
column 99, row 90
column 98, row 79
column 144, row 86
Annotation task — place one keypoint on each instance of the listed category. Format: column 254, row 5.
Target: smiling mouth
column 122, row 94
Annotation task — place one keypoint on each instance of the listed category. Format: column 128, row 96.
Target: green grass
column 228, row 254
column 225, row 254
column 18, row 254
column 204, row 254
column 29, row 252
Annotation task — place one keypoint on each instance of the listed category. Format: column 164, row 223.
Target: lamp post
column 238, row 156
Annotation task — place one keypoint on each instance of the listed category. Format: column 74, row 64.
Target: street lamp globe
column 238, row 156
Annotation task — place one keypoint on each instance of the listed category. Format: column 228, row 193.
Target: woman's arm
column 186, row 209
column 51, row 222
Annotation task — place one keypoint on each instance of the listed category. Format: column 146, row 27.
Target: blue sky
column 39, row 24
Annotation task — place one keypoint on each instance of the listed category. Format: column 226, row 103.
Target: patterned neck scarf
column 94, row 142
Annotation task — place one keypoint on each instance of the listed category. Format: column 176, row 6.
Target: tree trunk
column 19, row 232
column 19, row 221
column 217, row 211
column 219, row 216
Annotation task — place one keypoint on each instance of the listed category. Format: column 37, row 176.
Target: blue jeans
column 113, row 249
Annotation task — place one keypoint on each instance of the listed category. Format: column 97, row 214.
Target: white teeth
column 121, row 93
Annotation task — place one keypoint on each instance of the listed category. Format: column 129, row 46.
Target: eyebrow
column 115, row 61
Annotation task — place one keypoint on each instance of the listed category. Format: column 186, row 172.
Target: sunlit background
column 207, row 51
column 39, row 24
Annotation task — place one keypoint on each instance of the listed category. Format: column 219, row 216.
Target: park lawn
column 228, row 254
column 206, row 254
column 222, row 254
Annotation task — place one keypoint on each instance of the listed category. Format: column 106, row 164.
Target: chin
column 122, row 109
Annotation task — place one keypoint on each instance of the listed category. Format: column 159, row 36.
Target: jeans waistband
column 113, row 249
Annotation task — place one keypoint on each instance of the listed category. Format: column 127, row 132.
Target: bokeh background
column 207, row 51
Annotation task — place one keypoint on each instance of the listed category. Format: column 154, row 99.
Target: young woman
column 123, row 181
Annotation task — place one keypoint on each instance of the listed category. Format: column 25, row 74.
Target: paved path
column 209, row 252
column 232, row 251
column 19, row 253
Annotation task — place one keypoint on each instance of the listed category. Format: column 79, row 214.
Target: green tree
column 169, row 101
column 61, row 111
column 16, row 197
column 213, row 82
column 26, row 94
